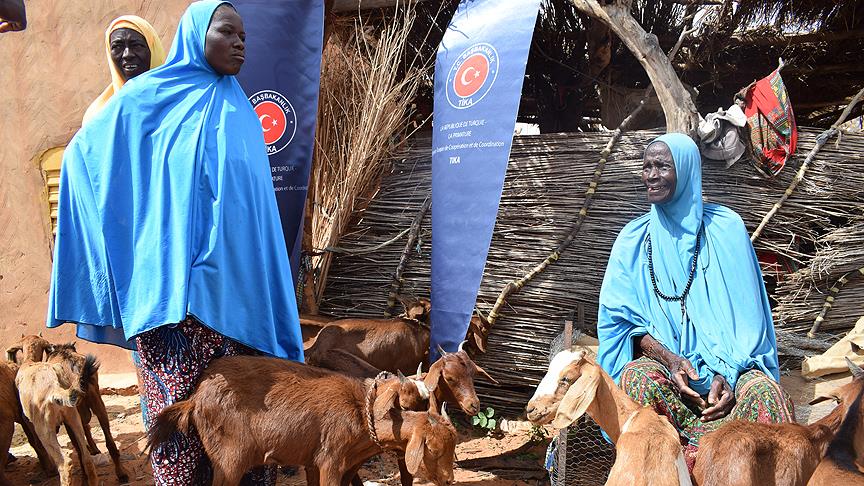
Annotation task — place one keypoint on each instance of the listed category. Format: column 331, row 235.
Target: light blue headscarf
column 167, row 209
column 728, row 327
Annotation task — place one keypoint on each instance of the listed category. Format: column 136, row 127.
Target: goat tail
column 172, row 419
column 89, row 370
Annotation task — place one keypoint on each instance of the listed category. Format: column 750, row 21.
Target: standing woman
column 169, row 239
column 132, row 47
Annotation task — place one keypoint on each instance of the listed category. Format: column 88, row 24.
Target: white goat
column 648, row 447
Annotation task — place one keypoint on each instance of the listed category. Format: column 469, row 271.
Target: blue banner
column 281, row 76
column 478, row 82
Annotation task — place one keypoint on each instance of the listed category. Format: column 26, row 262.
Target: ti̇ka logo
column 278, row 119
column 472, row 75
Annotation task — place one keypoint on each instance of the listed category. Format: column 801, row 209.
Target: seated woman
column 684, row 322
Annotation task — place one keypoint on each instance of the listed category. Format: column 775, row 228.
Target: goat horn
column 460, row 346
column 420, row 369
column 444, row 411
column 441, row 350
column 857, row 372
column 401, row 376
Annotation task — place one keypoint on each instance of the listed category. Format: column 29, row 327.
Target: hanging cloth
column 773, row 133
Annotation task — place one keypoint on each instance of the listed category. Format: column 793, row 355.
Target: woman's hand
column 682, row 372
column 721, row 399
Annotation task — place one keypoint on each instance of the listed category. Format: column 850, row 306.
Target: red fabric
column 773, row 132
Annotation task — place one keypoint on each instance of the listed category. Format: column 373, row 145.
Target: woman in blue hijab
column 169, row 239
column 684, row 321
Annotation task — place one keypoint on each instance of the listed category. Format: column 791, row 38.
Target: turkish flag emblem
column 273, row 121
column 471, row 75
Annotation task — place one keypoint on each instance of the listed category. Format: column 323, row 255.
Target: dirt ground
column 508, row 460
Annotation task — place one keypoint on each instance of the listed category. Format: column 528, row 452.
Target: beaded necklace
column 675, row 298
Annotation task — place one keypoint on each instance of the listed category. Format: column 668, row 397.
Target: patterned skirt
column 758, row 398
column 171, row 359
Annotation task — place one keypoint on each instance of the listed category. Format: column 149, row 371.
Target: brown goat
column 385, row 344
column 745, row 453
column 648, row 447
column 844, row 457
column 251, row 411
column 10, row 412
column 49, row 393
column 91, row 404
column 33, row 348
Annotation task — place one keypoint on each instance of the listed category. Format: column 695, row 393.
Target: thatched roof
column 543, row 192
column 569, row 79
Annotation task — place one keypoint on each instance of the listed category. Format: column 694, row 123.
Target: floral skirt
column 171, row 359
column 758, row 398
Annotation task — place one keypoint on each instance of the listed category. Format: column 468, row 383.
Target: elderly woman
column 169, row 239
column 684, row 322
column 132, row 47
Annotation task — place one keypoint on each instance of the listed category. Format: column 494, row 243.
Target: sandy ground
column 509, row 459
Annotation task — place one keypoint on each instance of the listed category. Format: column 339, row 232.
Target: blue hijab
column 167, row 209
column 728, row 328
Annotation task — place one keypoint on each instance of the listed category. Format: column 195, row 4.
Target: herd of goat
column 353, row 400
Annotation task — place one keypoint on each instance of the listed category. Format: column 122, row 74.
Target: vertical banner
column 478, row 83
column 281, row 76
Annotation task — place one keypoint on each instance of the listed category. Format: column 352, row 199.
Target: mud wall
column 49, row 74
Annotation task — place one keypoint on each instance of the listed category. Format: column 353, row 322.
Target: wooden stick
column 820, row 142
column 396, row 283
column 829, row 301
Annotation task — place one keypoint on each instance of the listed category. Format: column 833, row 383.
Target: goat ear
column 487, row 375
column 857, row 372
column 823, row 398
column 578, row 398
column 414, row 451
column 12, row 353
column 432, row 378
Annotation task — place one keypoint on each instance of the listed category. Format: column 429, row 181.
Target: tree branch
column 678, row 105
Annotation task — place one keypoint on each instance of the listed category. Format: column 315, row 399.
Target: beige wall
column 49, row 74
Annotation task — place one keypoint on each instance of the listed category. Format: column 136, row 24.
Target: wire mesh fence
column 578, row 455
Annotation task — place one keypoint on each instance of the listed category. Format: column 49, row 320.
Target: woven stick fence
column 543, row 193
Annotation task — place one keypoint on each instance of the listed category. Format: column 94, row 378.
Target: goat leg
column 347, row 363
column 76, row 432
column 7, row 430
column 98, row 407
column 48, row 438
column 88, row 435
column 45, row 461
column 405, row 477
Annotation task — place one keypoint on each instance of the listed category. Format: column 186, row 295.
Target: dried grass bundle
column 364, row 106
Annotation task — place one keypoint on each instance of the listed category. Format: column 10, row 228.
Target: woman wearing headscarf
column 684, row 322
column 132, row 47
column 169, row 239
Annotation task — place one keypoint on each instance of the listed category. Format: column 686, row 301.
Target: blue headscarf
column 167, row 209
column 728, row 328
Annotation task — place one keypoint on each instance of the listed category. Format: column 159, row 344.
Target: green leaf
column 491, row 424
column 475, row 420
column 490, row 412
column 483, row 421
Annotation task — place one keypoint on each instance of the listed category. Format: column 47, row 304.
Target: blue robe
column 167, row 209
column 727, row 328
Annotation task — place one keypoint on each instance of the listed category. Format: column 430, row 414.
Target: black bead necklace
column 675, row 298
